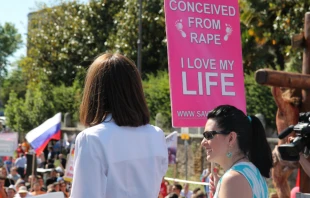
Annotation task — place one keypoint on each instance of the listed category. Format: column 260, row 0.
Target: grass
column 170, row 173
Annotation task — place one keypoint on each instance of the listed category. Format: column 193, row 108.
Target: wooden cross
column 301, row 82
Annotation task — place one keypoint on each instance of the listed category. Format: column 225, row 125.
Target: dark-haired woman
column 120, row 154
column 238, row 144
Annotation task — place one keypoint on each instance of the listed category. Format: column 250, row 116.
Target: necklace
column 241, row 158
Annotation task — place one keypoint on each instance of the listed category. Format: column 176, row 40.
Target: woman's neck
column 231, row 162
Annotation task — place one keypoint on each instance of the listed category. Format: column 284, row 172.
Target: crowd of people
column 15, row 182
column 115, row 112
column 124, row 156
column 176, row 190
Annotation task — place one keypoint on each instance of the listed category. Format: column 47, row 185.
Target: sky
column 16, row 11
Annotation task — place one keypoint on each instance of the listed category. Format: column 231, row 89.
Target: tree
column 10, row 41
column 64, row 39
column 15, row 112
column 14, row 82
column 267, row 27
column 26, row 114
column 157, row 94
column 154, row 47
column 67, row 99
column 259, row 100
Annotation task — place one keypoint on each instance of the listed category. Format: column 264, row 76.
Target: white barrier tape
column 185, row 181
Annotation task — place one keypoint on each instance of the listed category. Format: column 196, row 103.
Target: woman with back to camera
column 238, row 144
column 120, row 154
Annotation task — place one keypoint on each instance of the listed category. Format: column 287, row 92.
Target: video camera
column 301, row 142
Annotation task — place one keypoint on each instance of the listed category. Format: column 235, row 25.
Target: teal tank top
column 253, row 176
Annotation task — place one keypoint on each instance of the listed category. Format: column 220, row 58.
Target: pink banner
column 205, row 58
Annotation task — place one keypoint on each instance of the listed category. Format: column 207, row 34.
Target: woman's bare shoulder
column 235, row 185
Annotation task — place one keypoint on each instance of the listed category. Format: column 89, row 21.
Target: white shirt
column 119, row 162
column 188, row 195
column 20, row 162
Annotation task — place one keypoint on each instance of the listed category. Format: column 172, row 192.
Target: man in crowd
column 176, row 189
column 20, row 189
column 23, row 192
column 51, row 153
column 8, row 181
column 20, row 164
column 52, row 179
column 8, row 164
column 14, row 175
column 63, row 188
column 11, row 192
column 205, row 177
column 37, row 189
column 41, row 182
column 63, row 161
column 2, row 189
column 186, row 192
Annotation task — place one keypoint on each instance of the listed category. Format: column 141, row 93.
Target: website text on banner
column 205, row 58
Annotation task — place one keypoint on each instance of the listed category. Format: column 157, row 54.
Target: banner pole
column 33, row 165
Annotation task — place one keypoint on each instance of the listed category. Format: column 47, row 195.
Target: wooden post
column 32, row 170
column 293, row 80
column 304, row 179
column 282, row 79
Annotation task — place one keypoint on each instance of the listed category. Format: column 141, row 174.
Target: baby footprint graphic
column 228, row 31
column 179, row 26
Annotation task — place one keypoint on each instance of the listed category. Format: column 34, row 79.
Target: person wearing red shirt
column 19, row 150
column 163, row 189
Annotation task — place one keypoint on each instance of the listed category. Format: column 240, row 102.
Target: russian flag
column 39, row 137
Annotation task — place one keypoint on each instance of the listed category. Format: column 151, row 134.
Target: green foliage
column 41, row 102
column 65, row 38
column 157, row 93
column 124, row 40
column 259, row 100
column 26, row 114
column 10, row 41
column 267, row 27
column 15, row 113
column 15, row 82
column 67, row 100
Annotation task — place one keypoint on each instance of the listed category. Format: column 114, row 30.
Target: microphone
column 285, row 132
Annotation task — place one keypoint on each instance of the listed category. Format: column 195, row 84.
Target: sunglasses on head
column 210, row 134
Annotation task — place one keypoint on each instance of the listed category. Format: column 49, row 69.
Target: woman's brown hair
column 113, row 85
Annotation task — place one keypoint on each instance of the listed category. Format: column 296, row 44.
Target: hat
column 59, row 170
column 19, row 181
column 12, row 187
column 22, row 189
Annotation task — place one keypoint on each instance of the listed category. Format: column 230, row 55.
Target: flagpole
column 33, row 165
column 61, row 142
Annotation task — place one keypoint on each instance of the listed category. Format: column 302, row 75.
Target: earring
column 229, row 153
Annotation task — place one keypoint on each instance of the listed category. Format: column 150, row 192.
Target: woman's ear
column 232, row 138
